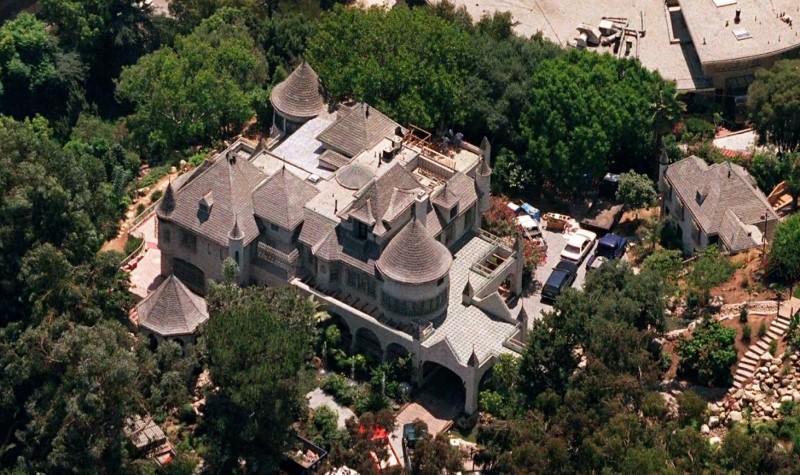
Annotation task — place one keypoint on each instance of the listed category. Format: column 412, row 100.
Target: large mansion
column 380, row 223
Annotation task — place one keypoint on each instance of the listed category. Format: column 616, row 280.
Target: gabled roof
column 414, row 257
column 375, row 199
column 446, row 199
column 736, row 235
column 357, row 130
column 299, row 95
column 232, row 183
column 709, row 192
column 280, row 199
column 172, row 309
column 332, row 160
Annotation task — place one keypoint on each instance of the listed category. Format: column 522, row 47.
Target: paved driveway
column 555, row 243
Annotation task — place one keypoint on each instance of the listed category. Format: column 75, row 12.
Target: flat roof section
column 763, row 32
column 302, row 148
column 557, row 20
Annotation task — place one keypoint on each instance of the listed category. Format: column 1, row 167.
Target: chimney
column 738, row 18
column 420, row 207
column 366, row 109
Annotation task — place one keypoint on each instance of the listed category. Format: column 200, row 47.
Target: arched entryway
column 367, row 341
column 345, row 336
column 441, row 391
column 395, row 351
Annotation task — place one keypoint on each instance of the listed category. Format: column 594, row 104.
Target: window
column 236, row 256
column 449, row 235
column 695, row 232
column 454, row 212
column 189, row 241
column 361, row 282
column 680, row 210
column 361, row 230
column 440, row 282
column 273, row 227
column 669, row 192
column 166, row 236
column 469, row 217
column 334, row 275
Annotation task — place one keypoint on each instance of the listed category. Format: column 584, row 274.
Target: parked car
column 578, row 245
column 609, row 248
column 411, row 433
column 563, row 276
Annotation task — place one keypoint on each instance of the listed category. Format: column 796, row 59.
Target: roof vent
column 742, row 34
column 313, row 178
column 738, row 17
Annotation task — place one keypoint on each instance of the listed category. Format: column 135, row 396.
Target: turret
column 236, row 245
column 663, row 163
column 483, row 178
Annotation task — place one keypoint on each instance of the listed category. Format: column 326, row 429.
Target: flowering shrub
column 499, row 219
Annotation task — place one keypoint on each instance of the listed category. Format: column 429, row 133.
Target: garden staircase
column 751, row 360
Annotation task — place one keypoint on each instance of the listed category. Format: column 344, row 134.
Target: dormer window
column 361, row 230
column 205, row 205
column 699, row 197
column 454, row 212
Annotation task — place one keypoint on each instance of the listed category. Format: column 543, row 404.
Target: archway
column 345, row 335
column 441, row 392
column 367, row 341
column 395, row 351
column 152, row 342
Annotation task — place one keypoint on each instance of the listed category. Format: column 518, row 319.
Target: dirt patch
column 746, row 284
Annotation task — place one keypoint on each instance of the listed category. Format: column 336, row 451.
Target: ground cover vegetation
column 89, row 90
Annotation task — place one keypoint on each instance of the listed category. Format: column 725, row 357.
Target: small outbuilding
column 172, row 311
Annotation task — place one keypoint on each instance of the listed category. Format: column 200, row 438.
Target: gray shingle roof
column 375, row 199
column 735, row 234
column 232, row 183
column 354, row 176
column 299, row 95
column 280, row 199
column 315, row 228
column 332, row 160
column 172, row 309
column 357, row 130
column 708, row 192
column 414, row 257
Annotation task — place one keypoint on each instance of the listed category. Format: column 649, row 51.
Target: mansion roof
column 299, row 95
column 172, row 309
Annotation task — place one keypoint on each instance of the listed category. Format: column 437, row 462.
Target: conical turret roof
column 299, row 95
column 172, row 309
column 167, row 205
column 414, row 257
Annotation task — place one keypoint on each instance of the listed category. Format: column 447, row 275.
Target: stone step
column 751, row 360
column 744, row 366
column 779, row 324
column 739, row 378
column 763, row 345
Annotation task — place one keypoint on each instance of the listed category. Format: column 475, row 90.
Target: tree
column 636, row 190
column 666, row 263
column 709, row 354
column 258, row 342
column 36, row 75
column 783, row 260
column 408, row 63
column 197, row 90
column 587, row 110
column 710, row 270
column 774, row 103
column 768, row 170
column 435, row 455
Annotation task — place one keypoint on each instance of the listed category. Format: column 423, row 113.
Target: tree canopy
column 784, row 255
column 590, row 113
column 258, row 341
column 198, row 90
column 774, row 103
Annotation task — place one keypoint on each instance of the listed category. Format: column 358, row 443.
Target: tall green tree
column 36, row 75
column 774, row 103
column 258, row 342
column 784, row 255
column 196, row 91
column 636, row 190
column 409, row 63
column 590, row 113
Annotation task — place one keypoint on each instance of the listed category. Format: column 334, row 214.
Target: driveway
column 555, row 244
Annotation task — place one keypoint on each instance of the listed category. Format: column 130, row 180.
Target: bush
column 653, row 406
column 743, row 314
column 499, row 219
column 696, row 130
column 187, row 415
column 156, row 195
column 337, row 386
column 762, row 330
column 132, row 244
column 140, row 208
column 709, row 354
column 152, row 177
column 691, row 408
column 747, row 332
column 773, row 347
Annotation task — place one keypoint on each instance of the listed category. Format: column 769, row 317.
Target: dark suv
column 562, row 277
column 609, row 248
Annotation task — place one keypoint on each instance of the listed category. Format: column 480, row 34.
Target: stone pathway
column 751, row 360
column 318, row 398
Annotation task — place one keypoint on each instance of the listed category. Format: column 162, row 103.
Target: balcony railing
column 279, row 258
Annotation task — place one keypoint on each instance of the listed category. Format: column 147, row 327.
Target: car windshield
column 572, row 249
column 604, row 250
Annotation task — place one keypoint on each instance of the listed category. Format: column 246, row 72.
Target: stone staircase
column 750, row 361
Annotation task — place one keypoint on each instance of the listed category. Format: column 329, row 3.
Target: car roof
column 577, row 240
column 612, row 239
column 567, row 265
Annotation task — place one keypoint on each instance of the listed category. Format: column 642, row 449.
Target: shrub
column 140, row 208
column 709, row 354
column 132, row 244
column 743, row 314
column 337, row 386
column 156, row 195
column 762, row 330
column 747, row 332
column 691, row 408
column 653, row 406
column 187, row 415
column 773, row 347
column 152, row 177
column 695, row 130
column 499, row 219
